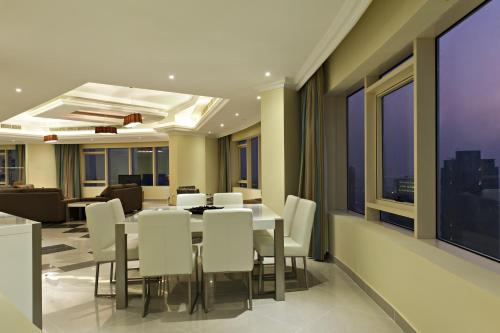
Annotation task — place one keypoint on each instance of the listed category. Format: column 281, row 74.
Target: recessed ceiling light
column 258, row 97
column 209, row 132
column 268, row 74
column 171, row 76
column 236, row 114
column 221, row 125
column 18, row 90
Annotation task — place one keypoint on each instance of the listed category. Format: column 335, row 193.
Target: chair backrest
column 101, row 224
column 192, row 199
column 228, row 240
column 228, row 199
column 165, row 246
column 302, row 224
column 116, row 204
column 289, row 212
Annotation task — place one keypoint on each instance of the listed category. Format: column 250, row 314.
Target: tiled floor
column 334, row 303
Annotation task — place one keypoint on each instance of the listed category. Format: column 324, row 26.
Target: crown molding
column 343, row 22
column 283, row 83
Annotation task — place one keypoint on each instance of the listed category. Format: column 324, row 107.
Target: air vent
column 17, row 127
column 71, row 129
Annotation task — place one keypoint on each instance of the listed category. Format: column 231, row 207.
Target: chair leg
column 261, row 273
column 111, row 273
column 306, row 279
column 147, row 290
column 205, row 292
column 144, row 297
column 96, row 278
column 294, row 266
column 250, row 291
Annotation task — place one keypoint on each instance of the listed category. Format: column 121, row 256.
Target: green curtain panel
column 68, row 169
column 21, row 163
column 311, row 181
column 225, row 164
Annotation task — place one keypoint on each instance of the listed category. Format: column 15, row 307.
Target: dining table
column 264, row 218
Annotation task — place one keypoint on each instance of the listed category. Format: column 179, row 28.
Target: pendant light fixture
column 51, row 138
column 132, row 120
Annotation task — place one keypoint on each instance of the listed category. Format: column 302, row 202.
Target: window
column 94, row 159
column 10, row 170
column 162, row 166
column 242, row 147
column 397, row 151
column 356, row 152
column 142, row 164
column 255, row 162
column 468, row 74
column 117, row 164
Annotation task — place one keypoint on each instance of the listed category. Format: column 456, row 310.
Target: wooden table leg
column 121, row 266
column 279, row 260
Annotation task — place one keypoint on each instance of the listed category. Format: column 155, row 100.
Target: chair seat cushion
column 264, row 245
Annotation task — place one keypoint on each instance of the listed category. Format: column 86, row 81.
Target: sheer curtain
column 311, row 181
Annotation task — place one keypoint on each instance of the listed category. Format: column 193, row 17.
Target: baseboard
column 388, row 308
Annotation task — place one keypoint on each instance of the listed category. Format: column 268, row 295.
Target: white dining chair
column 228, row 199
column 117, row 209
column 191, row 199
column 288, row 213
column 296, row 245
column 227, row 245
column 166, row 249
column 101, row 222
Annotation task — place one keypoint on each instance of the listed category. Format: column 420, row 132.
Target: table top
column 81, row 203
column 263, row 217
column 10, row 224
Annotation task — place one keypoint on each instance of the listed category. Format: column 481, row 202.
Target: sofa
column 37, row 204
column 129, row 194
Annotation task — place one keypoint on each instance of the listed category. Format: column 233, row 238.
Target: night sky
column 469, row 85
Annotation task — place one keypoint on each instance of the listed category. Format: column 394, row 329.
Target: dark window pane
column 117, row 164
column 93, row 150
column 13, row 169
column 243, row 163
column 397, row 144
column 2, row 167
column 142, row 164
column 255, row 162
column 398, row 220
column 162, row 166
column 469, row 132
column 356, row 152
column 94, row 166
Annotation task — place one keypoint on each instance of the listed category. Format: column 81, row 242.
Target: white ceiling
column 219, row 48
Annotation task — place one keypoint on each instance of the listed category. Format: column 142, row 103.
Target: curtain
column 21, row 163
column 311, row 181
column 68, row 169
column 225, row 164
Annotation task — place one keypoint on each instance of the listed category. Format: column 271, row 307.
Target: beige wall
column 434, row 290
column 280, row 146
column 189, row 163
column 41, row 165
column 248, row 193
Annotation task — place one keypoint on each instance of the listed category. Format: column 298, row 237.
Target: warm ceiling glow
column 106, row 130
column 18, row 90
column 268, row 74
column 221, row 125
column 258, row 97
column 236, row 114
column 171, row 76
column 132, row 120
column 51, row 138
column 209, row 132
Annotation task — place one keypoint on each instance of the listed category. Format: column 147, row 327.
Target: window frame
column 397, row 78
column 84, row 180
column 6, row 167
column 237, row 145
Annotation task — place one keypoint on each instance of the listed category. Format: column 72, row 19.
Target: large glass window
column 3, row 169
column 94, row 165
column 142, row 164
column 117, row 164
column 356, row 152
column 469, row 132
column 397, row 151
column 255, row 162
column 162, row 166
column 242, row 147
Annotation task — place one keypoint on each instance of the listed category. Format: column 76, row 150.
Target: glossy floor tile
column 334, row 303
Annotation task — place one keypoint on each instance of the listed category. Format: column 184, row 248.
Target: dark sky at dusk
column 469, row 85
